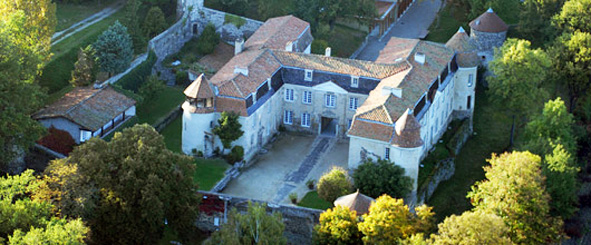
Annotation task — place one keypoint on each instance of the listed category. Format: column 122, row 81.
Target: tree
column 334, row 184
column 208, row 40
column 572, row 63
column 514, row 190
column 561, row 181
column 132, row 21
column 58, row 140
column 126, row 188
column 228, row 129
column 114, row 49
column 271, row 8
column 471, row 228
column 330, row 10
column 389, row 220
column 574, row 16
column 84, row 72
column 506, row 9
column 553, row 126
column 535, row 20
column 25, row 219
column 154, row 23
column 337, row 226
column 36, row 32
column 149, row 90
column 19, row 95
column 57, row 231
column 254, row 227
column 518, row 72
column 383, row 177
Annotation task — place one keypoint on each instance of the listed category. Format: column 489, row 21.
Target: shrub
column 136, row 77
column 310, row 184
column 293, row 197
column 181, row 77
column 234, row 20
column 383, row 177
column 58, row 140
column 208, row 40
column 149, row 90
column 235, row 155
column 334, row 184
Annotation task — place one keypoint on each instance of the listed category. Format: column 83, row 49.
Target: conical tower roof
column 489, row 22
column 355, row 202
column 199, row 89
column 466, row 50
column 408, row 131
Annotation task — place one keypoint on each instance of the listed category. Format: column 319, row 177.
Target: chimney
column 420, row 58
column 327, row 52
column 390, row 90
column 289, row 46
column 244, row 71
column 238, row 45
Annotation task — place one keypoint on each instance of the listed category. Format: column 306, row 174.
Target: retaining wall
column 299, row 222
column 229, row 32
column 443, row 171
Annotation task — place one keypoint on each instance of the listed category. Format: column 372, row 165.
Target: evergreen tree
column 114, row 49
column 228, row 129
column 154, row 23
column 84, row 72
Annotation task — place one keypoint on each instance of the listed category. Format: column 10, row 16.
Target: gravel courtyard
column 291, row 161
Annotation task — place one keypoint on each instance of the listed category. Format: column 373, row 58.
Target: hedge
column 57, row 73
column 135, row 78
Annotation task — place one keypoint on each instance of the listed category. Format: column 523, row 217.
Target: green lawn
column 311, row 200
column 492, row 127
column 209, row 172
column 172, row 135
column 150, row 111
column 447, row 23
column 69, row 13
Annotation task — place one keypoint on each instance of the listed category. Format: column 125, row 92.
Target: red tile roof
column 489, row 22
column 275, row 33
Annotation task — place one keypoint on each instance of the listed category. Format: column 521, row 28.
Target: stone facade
column 487, row 41
column 229, row 32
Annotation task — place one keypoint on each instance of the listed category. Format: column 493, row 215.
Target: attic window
column 308, row 75
column 354, row 82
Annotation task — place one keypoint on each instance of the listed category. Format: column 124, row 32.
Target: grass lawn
column 172, row 135
column 69, row 13
column 344, row 41
column 209, row 172
column 167, row 99
column 493, row 128
column 311, row 200
column 447, row 23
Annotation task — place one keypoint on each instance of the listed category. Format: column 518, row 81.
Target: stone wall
column 173, row 39
column 460, row 137
column 487, row 41
column 299, row 222
column 442, row 172
column 229, row 32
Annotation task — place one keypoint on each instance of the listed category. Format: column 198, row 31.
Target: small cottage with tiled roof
column 488, row 31
column 86, row 112
column 394, row 108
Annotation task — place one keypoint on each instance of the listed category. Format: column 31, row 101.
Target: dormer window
column 354, row 82
column 308, row 75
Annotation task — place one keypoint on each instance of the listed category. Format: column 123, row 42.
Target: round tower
column 408, row 145
column 488, row 31
column 198, row 118
column 467, row 61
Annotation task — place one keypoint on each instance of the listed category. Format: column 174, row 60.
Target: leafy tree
column 208, row 40
column 126, row 188
column 535, row 20
column 334, row 184
column 114, row 49
column 514, row 190
column 561, row 181
column 27, row 220
column 337, row 226
column 271, row 8
column 19, row 95
column 228, row 129
column 154, row 23
column 57, row 231
column 574, row 16
column 84, row 72
column 149, row 90
column 572, row 63
column 36, row 31
column 506, row 9
column 131, row 20
column 553, row 126
column 254, row 227
column 330, row 10
column 235, row 6
column 383, row 177
column 472, row 228
column 389, row 220
column 58, row 140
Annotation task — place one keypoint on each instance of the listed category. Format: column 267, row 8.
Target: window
column 329, row 100
column 305, row 119
column 470, row 80
column 307, row 98
column 288, row 117
column 353, row 103
column 288, row 94
column 85, row 135
column 354, row 82
column 469, row 103
column 308, row 75
column 387, row 154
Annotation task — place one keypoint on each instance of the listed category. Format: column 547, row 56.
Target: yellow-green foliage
column 471, row 228
column 334, row 184
column 338, row 225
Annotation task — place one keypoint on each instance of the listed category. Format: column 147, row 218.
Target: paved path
column 416, row 20
column 106, row 12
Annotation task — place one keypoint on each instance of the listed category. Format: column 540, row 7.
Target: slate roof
column 355, row 202
column 199, row 89
column 275, row 33
column 489, row 21
column 88, row 107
